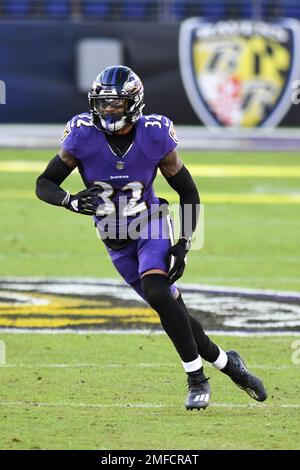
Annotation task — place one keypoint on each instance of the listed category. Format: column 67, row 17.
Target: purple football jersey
column 125, row 183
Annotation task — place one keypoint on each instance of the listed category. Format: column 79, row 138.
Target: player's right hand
column 85, row 202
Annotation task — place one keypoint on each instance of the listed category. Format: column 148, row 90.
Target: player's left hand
column 179, row 251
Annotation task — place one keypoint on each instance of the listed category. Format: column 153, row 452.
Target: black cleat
column 236, row 369
column 199, row 392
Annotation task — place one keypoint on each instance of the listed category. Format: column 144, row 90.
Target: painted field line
column 210, row 171
column 79, row 331
column 82, row 405
column 58, row 366
column 240, row 198
column 132, row 366
column 22, row 166
column 255, row 405
column 140, row 405
column 257, row 171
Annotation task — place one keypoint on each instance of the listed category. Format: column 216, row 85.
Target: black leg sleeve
column 172, row 316
column 206, row 348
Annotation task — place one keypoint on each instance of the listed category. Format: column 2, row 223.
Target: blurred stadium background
column 57, row 47
column 54, row 275
column 147, row 10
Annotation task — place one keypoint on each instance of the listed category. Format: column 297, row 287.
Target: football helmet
column 116, row 98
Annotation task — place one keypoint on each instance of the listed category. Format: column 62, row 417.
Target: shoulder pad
column 157, row 126
column 158, row 136
column 82, row 120
column 77, row 124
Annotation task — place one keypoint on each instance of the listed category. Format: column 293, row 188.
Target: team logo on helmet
column 133, row 84
column 239, row 73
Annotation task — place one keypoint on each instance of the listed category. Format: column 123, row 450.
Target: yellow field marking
column 210, row 171
column 69, row 322
column 71, row 311
column 19, row 166
column 249, row 198
column 59, row 305
column 206, row 198
column 244, row 171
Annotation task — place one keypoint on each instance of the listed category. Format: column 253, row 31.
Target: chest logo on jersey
column 120, row 165
column 239, row 73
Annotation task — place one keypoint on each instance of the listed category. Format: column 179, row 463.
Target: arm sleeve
column 48, row 183
column 184, row 185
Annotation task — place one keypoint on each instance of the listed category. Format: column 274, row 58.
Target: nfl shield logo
column 239, row 72
column 120, row 165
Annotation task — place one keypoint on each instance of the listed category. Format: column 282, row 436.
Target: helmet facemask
column 111, row 112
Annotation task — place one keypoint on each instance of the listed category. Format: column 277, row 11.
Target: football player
column 117, row 151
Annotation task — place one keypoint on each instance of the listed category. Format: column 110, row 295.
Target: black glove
column 85, row 202
column 179, row 251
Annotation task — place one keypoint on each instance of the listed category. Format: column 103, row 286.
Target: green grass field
column 127, row 392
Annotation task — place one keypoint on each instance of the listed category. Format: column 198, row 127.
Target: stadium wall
column 38, row 67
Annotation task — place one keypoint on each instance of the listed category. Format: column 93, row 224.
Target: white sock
column 221, row 361
column 192, row 366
